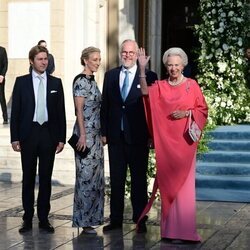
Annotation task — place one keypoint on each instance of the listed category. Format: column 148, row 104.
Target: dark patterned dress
column 89, row 184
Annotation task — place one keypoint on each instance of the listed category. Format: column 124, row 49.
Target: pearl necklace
column 177, row 82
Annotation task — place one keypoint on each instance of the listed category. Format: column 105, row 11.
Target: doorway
column 178, row 20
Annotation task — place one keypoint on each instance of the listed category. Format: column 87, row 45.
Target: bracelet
column 144, row 76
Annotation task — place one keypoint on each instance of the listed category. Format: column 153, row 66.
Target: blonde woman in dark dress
column 89, row 184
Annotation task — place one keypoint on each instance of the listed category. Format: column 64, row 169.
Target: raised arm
column 143, row 61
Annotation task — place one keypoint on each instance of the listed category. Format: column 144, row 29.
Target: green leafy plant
column 223, row 34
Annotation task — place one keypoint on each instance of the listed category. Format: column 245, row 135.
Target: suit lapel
column 117, row 83
column 49, row 88
column 30, row 89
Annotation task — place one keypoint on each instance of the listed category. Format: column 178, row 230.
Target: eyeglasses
column 130, row 53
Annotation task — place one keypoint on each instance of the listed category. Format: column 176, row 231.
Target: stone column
column 84, row 26
column 154, row 34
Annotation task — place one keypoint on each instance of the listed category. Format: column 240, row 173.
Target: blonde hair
column 86, row 52
column 175, row 51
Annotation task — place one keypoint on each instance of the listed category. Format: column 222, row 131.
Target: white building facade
column 69, row 26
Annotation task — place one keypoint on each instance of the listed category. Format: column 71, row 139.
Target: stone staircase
column 64, row 166
column 223, row 174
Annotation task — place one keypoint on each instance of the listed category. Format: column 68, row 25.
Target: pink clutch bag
column 193, row 129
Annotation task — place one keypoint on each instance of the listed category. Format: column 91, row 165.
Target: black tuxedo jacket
column 132, row 110
column 3, row 61
column 23, row 108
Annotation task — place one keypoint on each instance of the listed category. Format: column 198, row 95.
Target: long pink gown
column 175, row 155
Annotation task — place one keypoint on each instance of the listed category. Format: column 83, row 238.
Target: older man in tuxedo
column 38, row 132
column 124, row 129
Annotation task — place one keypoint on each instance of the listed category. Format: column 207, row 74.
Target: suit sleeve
column 4, row 63
column 104, row 106
column 61, row 113
column 151, row 77
column 15, row 112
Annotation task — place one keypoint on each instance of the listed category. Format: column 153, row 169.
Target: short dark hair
column 41, row 41
column 36, row 50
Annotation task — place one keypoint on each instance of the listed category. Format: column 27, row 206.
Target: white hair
column 129, row 40
column 175, row 52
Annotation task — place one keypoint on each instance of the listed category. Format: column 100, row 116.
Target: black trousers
column 38, row 147
column 3, row 101
column 122, row 156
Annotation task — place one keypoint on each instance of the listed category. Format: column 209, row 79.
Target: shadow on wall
column 6, row 177
column 54, row 182
column 9, row 103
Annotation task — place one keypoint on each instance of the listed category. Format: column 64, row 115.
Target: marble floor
column 222, row 225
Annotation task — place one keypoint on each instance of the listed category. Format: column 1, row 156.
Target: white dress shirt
column 36, row 82
column 132, row 72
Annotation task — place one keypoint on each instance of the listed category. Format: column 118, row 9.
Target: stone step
column 64, row 167
column 226, row 156
column 221, row 168
column 10, row 169
column 6, row 151
column 230, row 145
column 223, row 174
column 232, row 132
column 223, row 181
column 221, row 194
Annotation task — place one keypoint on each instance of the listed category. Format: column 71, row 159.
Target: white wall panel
column 28, row 22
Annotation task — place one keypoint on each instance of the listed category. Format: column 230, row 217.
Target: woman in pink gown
column 168, row 104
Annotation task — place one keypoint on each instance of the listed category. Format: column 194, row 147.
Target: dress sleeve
column 81, row 87
column 200, row 111
column 153, row 95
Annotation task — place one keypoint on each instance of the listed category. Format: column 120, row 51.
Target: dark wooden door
column 178, row 19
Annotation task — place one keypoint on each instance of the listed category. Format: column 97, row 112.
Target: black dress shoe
column 111, row 226
column 46, row 226
column 141, row 228
column 25, row 227
column 5, row 122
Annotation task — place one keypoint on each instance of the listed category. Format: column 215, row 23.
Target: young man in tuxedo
column 124, row 129
column 38, row 132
